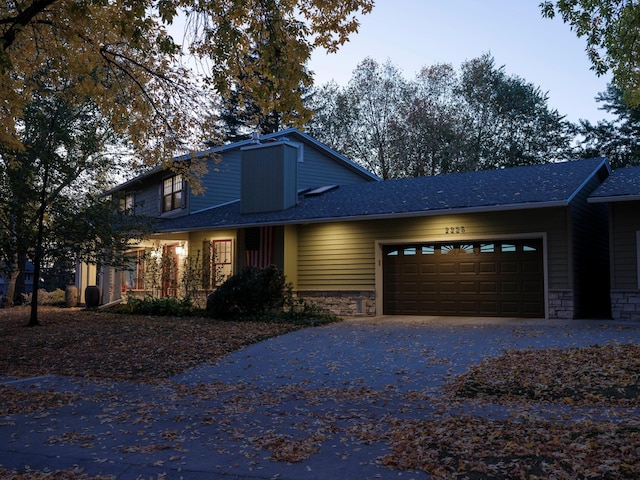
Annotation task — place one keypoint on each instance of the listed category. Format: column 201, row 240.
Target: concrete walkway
column 299, row 406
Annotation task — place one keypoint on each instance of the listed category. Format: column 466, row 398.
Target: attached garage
column 481, row 278
column 513, row 242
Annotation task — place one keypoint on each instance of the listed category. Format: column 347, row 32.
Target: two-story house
column 163, row 264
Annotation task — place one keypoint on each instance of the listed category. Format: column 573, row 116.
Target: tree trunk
column 39, row 250
column 33, row 318
column 11, row 289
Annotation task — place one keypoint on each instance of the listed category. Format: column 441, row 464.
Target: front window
column 222, row 264
column 172, row 193
column 126, row 203
column 133, row 275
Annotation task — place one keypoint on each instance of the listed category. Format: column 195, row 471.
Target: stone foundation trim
column 561, row 304
column 343, row 303
column 625, row 304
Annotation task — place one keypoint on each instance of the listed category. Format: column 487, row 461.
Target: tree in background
column 508, row 121
column 357, row 120
column 427, row 136
column 241, row 114
column 334, row 112
column 610, row 28
column 442, row 121
column 618, row 139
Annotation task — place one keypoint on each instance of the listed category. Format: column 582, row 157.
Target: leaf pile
column 479, row 448
column 590, row 376
column 100, row 345
column 15, row 400
column 70, row 474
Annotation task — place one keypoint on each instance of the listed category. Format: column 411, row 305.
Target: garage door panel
column 448, row 268
column 487, row 267
column 469, row 288
column 509, row 267
column 428, row 269
column 468, row 307
column 532, row 266
column 448, row 287
column 489, row 308
column 467, row 268
column 532, row 287
column 509, row 308
column 509, row 287
column 489, row 287
column 465, row 278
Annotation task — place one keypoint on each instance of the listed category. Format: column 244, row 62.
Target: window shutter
column 206, row 264
column 183, row 196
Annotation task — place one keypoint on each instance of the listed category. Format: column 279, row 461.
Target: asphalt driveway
column 297, row 406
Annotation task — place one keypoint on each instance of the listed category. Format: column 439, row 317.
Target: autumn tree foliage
column 123, row 57
column 72, row 70
column 50, row 203
column 444, row 120
column 610, row 28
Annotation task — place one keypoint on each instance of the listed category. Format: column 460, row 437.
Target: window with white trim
column 133, row 275
column 222, row 264
column 172, row 193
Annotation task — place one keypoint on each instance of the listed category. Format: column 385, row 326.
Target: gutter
column 381, row 216
column 614, row 198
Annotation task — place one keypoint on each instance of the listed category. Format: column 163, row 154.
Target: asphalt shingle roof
column 553, row 184
column 623, row 184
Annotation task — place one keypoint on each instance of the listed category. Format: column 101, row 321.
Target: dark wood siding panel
column 146, row 199
column 317, row 170
column 221, row 182
column 342, row 255
column 625, row 222
column 590, row 243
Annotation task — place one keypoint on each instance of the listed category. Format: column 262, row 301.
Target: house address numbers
column 452, row 230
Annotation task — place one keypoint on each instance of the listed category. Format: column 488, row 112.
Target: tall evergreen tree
column 617, row 139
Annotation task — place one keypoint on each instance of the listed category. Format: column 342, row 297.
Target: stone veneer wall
column 625, row 304
column 561, row 304
column 343, row 303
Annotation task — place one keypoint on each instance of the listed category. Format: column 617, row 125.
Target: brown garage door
column 502, row 278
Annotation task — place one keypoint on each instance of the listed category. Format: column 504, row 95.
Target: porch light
column 180, row 250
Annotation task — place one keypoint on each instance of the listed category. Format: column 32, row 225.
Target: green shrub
column 263, row 294
column 252, row 293
column 166, row 306
column 300, row 312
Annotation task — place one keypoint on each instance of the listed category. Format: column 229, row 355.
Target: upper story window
column 172, row 193
column 126, row 203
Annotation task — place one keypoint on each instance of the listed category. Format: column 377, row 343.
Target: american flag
column 258, row 246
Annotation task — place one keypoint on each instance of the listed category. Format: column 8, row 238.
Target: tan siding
column 625, row 223
column 341, row 256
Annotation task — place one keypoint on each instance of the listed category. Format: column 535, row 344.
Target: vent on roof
column 321, row 190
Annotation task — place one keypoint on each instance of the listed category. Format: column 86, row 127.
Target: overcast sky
column 417, row 33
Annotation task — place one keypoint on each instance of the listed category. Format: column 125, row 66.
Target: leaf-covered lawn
column 588, row 376
column 99, row 345
column 593, row 430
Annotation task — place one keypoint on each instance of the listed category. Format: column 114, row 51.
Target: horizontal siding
column 624, row 251
column 221, row 182
column 318, row 170
column 341, row 256
column 147, row 201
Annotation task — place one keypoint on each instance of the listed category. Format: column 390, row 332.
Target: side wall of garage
column 625, row 260
column 339, row 263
